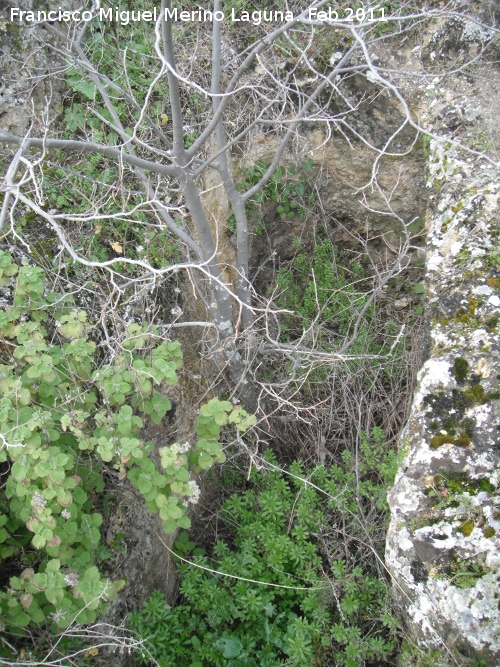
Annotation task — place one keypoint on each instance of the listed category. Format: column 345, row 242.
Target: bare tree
column 171, row 144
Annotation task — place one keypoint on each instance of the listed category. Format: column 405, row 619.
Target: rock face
column 342, row 172
column 443, row 544
column 26, row 93
column 350, row 207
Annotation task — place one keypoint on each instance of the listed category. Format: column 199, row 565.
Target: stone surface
column 444, row 537
column 28, row 98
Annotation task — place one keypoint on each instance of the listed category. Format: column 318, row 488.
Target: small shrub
column 322, row 287
column 65, row 416
column 279, row 590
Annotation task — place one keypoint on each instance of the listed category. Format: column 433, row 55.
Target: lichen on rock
column 444, row 536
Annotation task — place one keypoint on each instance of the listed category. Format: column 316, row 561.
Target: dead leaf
column 483, row 369
column 117, row 247
column 164, row 118
column 54, row 542
column 98, row 229
column 91, row 653
column 26, row 599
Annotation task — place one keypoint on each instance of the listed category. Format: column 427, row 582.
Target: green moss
column 423, row 521
column 491, row 324
column 466, row 528
column 12, row 37
column 477, row 394
column 464, row 572
column 461, row 440
column 460, row 482
column 447, row 414
column 489, row 531
column 469, row 426
column 462, row 316
column 485, row 485
column 439, row 440
column 450, row 424
column 456, row 482
column 493, row 282
column 461, row 369
column 43, row 251
column 467, row 314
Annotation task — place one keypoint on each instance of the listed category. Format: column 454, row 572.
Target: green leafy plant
column 322, row 286
column 69, row 186
column 66, row 414
column 493, row 258
column 264, row 595
column 286, row 187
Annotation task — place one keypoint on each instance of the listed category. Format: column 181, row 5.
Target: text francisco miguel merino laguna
column 124, row 17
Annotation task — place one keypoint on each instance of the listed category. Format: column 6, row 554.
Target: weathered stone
column 27, row 95
column 444, row 537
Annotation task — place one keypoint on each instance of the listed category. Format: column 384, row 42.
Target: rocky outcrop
column 342, row 173
column 444, row 537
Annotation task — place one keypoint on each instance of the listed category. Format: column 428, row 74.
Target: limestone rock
column 443, row 542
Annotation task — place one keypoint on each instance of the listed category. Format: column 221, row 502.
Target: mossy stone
column 467, row 527
column 461, row 369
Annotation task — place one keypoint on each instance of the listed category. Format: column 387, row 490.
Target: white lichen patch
column 434, row 263
column 494, row 301
column 424, row 454
column 480, row 625
column 481, row 413
column 441, row 337
column 404, row 540
column 456, row 247
column 405, row 496
column 433, row 376
column 440, row 530
column 482, row 290
column 492, row 559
